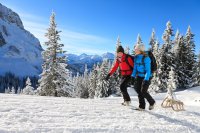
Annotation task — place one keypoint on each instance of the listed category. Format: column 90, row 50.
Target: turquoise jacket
column 140, row 69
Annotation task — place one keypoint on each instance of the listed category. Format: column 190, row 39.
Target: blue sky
column 92, row 26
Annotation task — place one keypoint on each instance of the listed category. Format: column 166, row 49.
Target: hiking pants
column 141, row 88
column 123, row 87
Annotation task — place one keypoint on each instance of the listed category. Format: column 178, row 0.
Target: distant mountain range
column 76, row 63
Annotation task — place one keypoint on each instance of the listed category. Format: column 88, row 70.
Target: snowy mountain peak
column 83, row 56
column 77, row 63
column 89, row 58
column 9, row 16
column 20, row 51
column 108, row 55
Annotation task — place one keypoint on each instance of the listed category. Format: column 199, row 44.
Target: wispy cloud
column 75, row 42
column 31, row 17
column 70, row 48
column 36, row 29
column 83, row 37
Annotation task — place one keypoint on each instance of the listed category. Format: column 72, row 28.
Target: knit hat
column 140, row 47
column 120, row 49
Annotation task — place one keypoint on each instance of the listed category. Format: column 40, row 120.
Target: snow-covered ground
column 30, row 114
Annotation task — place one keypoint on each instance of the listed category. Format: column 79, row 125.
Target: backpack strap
column 144, row 56
column 127, row 62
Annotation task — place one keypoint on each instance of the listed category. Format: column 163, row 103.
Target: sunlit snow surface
column 30, row 114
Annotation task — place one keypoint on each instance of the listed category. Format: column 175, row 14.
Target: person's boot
column 126, row 103
column 140, row 109
column 151, row 107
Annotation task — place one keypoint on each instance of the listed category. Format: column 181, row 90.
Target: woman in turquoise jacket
column 142, row 75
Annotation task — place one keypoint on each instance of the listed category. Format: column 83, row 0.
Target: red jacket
column 124, row 67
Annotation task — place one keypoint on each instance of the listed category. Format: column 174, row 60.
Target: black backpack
column 153, row 61
column 126, row 59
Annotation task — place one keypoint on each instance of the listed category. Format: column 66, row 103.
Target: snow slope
column 21, row 113
column 20, row 51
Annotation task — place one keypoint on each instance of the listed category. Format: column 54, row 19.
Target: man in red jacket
column 126, row 64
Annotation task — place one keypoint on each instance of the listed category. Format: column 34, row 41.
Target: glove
column 132, row 80
column 107, row 77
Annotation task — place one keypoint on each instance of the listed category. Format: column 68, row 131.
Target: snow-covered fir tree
column 180, row 56
column 127, row 49
column 166, row 60
column 55, row 77
column 176, row 40
column 12, row 90
column 198, row 70
column 155, row 81
column 117, row 45
column 155, row 50
column 172, row 81
column 85, row 84
column 7, row 91
column 93, row 81
column 139, row 39
column 190, row 63
column 185, row 67
column 28, row 90
column 154, row 47
column 155, row 84
column 82, row 84
column 102, row 85
column 77, row 80
column 153, row 41
column 176, row 50
column 118, row 42
column 19, row 90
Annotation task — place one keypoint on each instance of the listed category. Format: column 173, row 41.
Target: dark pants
column 141, row 89
column 123, row 87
